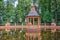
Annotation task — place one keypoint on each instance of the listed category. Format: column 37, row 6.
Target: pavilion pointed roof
column 33, row 12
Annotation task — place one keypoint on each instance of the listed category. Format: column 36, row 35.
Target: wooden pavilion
column 32, row 20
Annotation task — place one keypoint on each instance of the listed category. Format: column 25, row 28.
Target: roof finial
column 32, row 6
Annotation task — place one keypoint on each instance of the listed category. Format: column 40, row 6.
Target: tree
column 2, row 12
column 10, row 12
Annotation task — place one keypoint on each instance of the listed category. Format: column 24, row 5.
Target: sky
column 15, row 4
column 5, row 0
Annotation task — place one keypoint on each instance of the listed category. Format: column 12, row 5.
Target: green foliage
column 17, row 34
column 47, row 9
column 48, row 35
column 47, row 17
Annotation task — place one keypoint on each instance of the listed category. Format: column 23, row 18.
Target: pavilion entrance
column 33, row 20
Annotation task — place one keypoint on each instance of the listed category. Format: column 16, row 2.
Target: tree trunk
column 55, row 10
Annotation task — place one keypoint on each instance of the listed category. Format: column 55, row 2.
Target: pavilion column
column 28, row 37
column 38, row 21
column 28, row 21
column 39, row 36
column 33, row 20
column 33, row 36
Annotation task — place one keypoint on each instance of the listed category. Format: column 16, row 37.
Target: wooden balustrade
column 52, row 26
